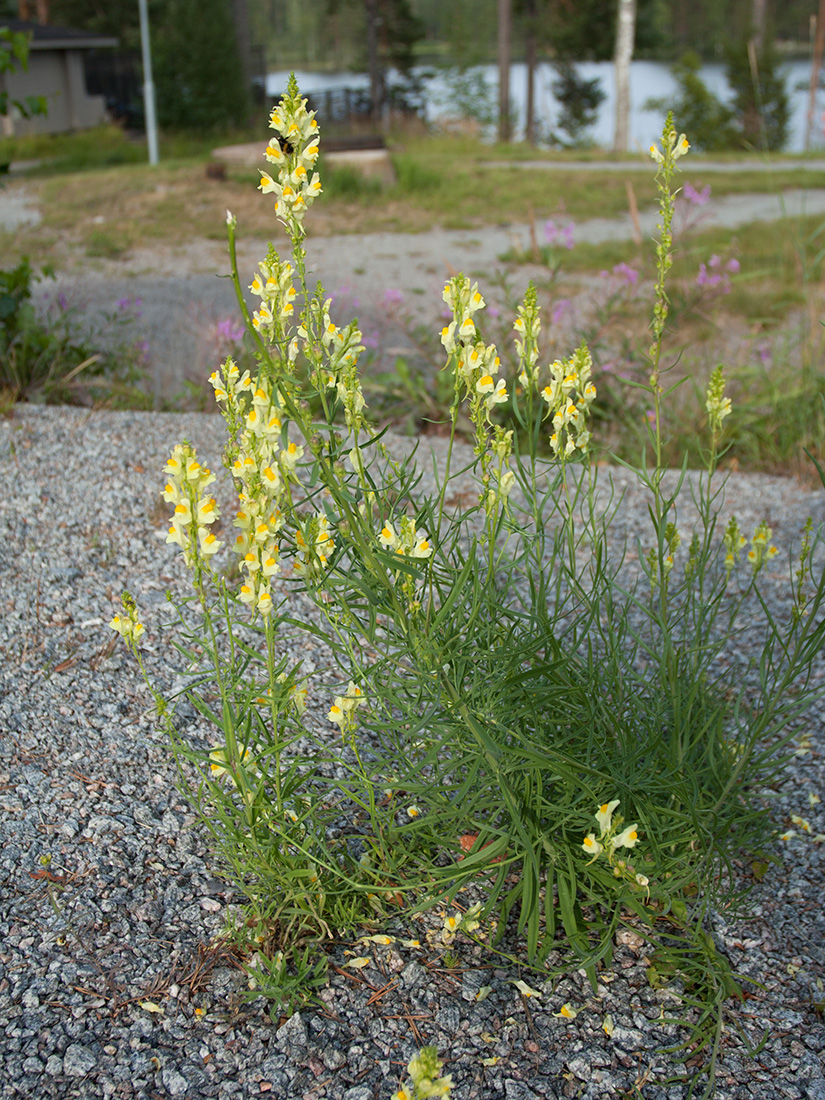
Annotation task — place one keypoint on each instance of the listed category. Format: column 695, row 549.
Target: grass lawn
column 98, row 195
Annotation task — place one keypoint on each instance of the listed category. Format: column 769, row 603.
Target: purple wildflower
column 229, row 330
column 559, row 234
column 763, row 350
column 696, row 198
column 560, row 308
column 716, row 276
column 393, row 297
column 628, row 275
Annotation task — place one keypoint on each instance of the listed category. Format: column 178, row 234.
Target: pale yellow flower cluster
column 297, row 692
column 263, row 465
column 678, row 147
column 717, row 405
column 127, row 624
column 733, row 541
column 273, row 285
column 194, row 511
column 477, row 363
column 408, row 541
column 219, row 762
column 424, row 1080
column 611, row 837
column 467, row 922
column 342, row 346
column 314, row 544
column 762, row 549
column 260, row 469
column 569, row 395
column 528, row 326
column 294, row 150
column 342, row 711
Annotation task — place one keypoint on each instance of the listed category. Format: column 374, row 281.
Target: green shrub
column 580, row 100
column 50, row 358
column 761, row 110
column 696, row 110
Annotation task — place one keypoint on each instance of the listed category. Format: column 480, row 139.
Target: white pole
column 148, row 86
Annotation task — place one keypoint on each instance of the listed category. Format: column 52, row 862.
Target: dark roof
column 58, row 38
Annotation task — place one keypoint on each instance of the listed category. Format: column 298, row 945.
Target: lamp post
column 148, row 86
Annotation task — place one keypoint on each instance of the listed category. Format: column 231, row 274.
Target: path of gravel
column 182, row 299
column 181, row 302
column 87, row 781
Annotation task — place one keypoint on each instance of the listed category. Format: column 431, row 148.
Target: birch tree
column 625, row 33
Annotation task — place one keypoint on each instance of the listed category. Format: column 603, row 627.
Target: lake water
column 648, row 79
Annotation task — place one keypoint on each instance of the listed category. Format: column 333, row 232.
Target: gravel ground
column 127, row 909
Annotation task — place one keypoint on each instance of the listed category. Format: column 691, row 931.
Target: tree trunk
column 759, row 18
column 625, row 33
column 505, row 20
column 240, row 17
column 819, row 48
column 41, row 11
column 374, row 62
column 530, row 58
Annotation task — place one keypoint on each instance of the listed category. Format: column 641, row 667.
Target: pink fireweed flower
column 561, row 235
column 694, row 197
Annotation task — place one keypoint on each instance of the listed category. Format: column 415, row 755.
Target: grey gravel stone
column 78, row 1061
column 175, row 1083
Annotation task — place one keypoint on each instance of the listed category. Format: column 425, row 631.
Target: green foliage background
column 331, row 32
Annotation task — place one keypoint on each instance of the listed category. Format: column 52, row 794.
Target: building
column 58, row 70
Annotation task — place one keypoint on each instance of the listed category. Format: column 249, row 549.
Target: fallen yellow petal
column 527, row 990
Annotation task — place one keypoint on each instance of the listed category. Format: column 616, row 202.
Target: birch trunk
column 625, row 33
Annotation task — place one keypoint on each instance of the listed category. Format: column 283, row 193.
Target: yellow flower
column 387, row 537
column 566, row 1012
column 604, row 815
column 592, row 846
column 627, row 838
column 526, row 990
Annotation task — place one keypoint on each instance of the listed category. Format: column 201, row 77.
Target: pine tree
column 198, row 71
